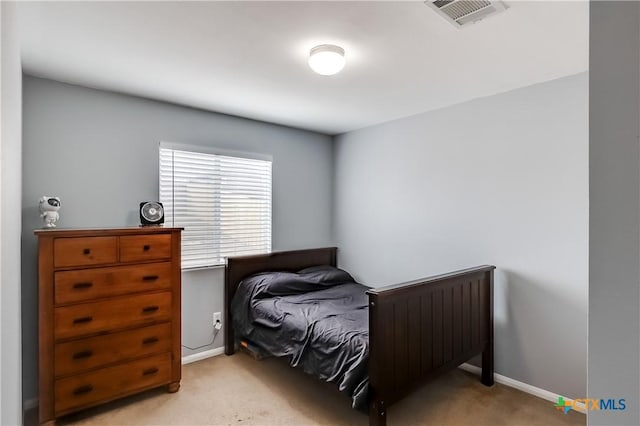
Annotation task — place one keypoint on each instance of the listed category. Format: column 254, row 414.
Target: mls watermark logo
column 590, row 404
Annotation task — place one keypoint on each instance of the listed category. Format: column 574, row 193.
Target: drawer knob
column 82, row 320
column 149, row 340
column 149, row 278
column 82, row 354
column 82, row 285
column 149, row 309
column 146, row 247
column 86, row 251
column 149, row 371
column 82, row 390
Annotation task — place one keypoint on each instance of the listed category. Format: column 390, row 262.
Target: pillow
column 326, row 275
column 269, row 284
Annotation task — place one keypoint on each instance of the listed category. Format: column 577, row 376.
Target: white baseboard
column 524, row 387
column 202, row 355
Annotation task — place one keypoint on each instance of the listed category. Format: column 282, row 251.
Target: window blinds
column 223, row 203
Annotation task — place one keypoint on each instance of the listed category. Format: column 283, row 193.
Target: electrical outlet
column 217, row 316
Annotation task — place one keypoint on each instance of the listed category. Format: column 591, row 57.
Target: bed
column 391, row 339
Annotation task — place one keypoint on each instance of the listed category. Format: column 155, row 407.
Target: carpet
column 239, row 390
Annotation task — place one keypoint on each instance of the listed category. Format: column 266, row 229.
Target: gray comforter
column 317, row 318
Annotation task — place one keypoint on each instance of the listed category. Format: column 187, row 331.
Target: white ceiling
column 249, row 58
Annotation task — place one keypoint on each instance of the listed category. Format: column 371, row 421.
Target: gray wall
column 10, row 217
column 499, row 180
column 614, row 224
column 98, row 151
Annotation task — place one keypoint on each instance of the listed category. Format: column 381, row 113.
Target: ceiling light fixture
column 327, row 59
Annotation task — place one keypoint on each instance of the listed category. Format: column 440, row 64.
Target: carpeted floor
column 239, row 390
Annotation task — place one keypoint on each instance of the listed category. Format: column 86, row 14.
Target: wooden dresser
column 109, row 315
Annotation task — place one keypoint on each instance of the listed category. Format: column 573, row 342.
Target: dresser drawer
column 84, row 251
column 119, row 312
column 82, row 355
column 107, row 383
column 135, row 248
column 86, row 284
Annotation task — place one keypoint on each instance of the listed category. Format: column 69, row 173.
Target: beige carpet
column 239, row 390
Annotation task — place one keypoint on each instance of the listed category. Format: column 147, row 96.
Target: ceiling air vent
column 461, row 13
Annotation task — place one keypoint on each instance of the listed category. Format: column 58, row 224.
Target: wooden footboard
column 424, row 328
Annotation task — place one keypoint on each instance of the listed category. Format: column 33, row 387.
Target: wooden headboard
column 238, row 268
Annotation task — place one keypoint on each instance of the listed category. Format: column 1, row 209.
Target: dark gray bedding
column 317, row 318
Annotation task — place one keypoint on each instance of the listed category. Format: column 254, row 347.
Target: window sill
column 202, row 268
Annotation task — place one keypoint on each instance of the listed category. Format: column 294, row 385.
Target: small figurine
column 49, row 207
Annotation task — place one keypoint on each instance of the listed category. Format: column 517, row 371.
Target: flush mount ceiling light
column 326, row 59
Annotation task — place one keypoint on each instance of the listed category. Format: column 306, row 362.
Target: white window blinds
column 223, row 203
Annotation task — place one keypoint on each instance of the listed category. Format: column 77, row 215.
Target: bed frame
column 417, row 330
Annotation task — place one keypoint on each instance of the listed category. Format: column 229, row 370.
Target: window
column 223, row 202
